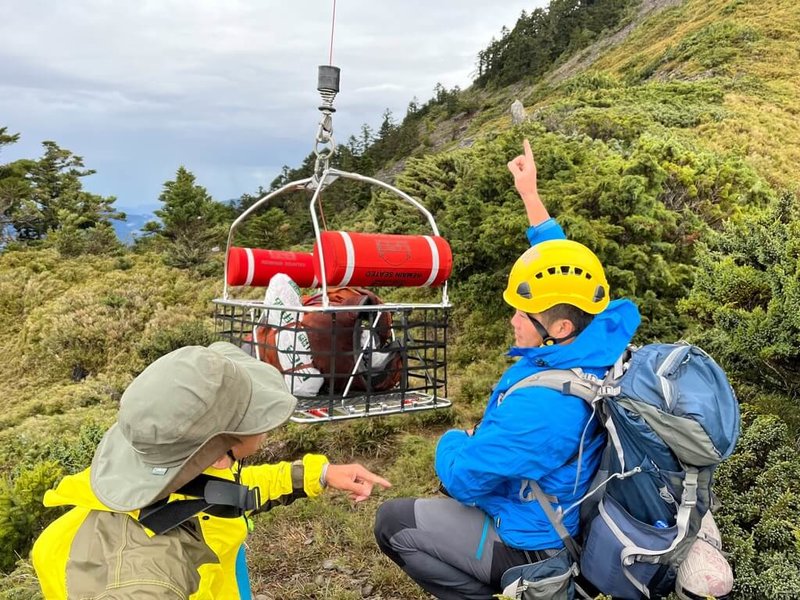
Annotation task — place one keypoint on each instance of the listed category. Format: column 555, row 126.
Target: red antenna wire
column 333, row 24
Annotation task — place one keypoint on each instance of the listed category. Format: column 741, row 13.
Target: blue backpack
column 671, row 417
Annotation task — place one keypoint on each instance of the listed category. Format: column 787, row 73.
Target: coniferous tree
column 387, row 125
column 266, row 228
column 191, row 222
column 44, row 199
column 13, row 186
column 56, row 191
column 543, row 36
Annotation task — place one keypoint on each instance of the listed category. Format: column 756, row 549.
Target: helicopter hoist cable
column 328, row 87
column 333, row 24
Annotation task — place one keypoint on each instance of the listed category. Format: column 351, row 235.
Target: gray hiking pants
column 452, row 551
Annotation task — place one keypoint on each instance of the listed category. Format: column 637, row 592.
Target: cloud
column 142, row 87
column 379, row 88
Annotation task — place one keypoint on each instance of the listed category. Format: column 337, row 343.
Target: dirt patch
column 582, row 60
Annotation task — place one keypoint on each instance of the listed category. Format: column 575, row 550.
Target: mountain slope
column 668, row 146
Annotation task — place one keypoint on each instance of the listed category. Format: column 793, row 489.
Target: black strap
column 547, row 339
column 164, row 516
column 212, row 495
column 535, row 556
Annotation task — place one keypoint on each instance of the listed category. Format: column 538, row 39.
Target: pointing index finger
column 528, row 152
column 379, row 480
column 367, row 475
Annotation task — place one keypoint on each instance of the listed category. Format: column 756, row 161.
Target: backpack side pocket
column 611, row 532
column 549, row 579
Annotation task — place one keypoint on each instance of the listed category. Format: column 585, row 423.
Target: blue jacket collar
column 598, row 346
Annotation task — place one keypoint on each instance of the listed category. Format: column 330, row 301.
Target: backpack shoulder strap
column 589, row 389
column 573, row 382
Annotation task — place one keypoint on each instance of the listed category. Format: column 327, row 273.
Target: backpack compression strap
column 572, row 546
column 631, row 551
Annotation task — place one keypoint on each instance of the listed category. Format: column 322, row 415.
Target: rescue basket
column 343, row 354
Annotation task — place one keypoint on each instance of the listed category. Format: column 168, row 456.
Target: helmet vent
column 599, row 294
column 524, row 290
column 564, row 270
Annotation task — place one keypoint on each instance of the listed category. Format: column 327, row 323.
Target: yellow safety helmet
column 557, row 272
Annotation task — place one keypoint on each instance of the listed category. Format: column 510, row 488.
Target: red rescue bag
column 378, row 259
column 255, row 266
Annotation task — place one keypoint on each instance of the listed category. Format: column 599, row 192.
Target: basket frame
column 347, row 406
column 328, row 177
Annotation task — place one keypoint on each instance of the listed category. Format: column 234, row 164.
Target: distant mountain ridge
column 128, row 229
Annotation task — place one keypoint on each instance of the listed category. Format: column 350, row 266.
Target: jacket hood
column 75, row 490
column 597, row 346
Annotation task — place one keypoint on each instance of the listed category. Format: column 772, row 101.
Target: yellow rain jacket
column 92, row 551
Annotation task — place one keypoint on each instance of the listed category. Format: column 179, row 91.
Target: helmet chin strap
column 547, row 339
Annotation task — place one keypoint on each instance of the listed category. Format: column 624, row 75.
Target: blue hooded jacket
column 534, row 432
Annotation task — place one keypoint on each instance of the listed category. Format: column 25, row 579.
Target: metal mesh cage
column 345, row 362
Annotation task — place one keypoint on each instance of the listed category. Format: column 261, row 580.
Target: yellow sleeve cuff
column 312, row 471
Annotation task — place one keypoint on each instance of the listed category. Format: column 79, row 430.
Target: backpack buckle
column 608, row 391
column 689, row 496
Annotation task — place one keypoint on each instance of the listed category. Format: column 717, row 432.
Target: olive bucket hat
column 180, row 415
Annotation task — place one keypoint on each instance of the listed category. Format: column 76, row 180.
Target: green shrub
column 98, row 323
column 76, row 454
column 716, row 44
column 22, row 514
column 759, row 488
column 71, row 241
column 641, row 208
column 746, row 298
column 163, row 341
column 591, row 81
column 20, row 584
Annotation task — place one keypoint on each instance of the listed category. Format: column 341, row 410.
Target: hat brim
column 122, row 481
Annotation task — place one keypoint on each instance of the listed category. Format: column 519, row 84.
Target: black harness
column 211, row 495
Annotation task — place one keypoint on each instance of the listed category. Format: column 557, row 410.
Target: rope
column 322, row 214
column 333, row 24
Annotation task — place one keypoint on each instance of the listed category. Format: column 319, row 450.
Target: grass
column 753, row 41
column 324, row 547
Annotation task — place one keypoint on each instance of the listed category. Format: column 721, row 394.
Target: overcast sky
column 225, row 87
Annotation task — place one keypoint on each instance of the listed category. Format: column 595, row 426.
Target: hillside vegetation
column 666, row 140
